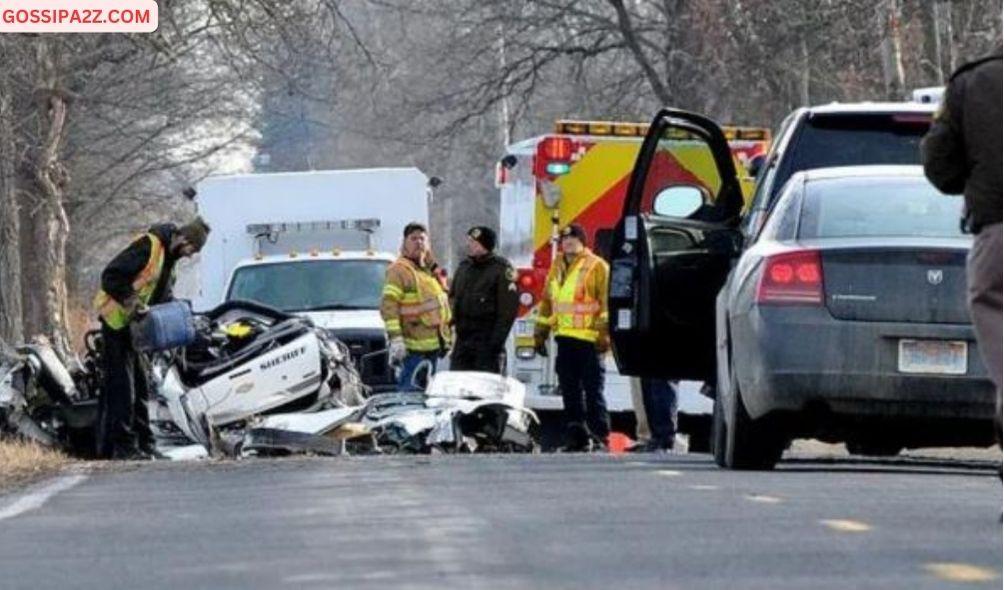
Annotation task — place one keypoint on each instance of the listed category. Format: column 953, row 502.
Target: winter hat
column 413, row 227
column 195, row 232
column 574, row 230
column 484, row 236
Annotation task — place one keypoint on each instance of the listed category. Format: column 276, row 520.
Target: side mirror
column 682, row 200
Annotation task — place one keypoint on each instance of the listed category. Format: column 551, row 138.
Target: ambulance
column 579, row 173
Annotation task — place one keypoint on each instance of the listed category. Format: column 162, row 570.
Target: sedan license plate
column 933, row 357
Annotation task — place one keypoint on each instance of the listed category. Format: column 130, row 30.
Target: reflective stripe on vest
column 429, row 304
column 576, row 310
column 145, row 283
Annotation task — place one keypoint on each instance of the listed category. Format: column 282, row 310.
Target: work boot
column 652, row 445
column 128, row 452
column 149, row 448
column 577, row 439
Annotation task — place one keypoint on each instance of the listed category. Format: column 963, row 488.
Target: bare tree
column 11, row 326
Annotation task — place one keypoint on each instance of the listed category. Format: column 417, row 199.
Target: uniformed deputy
column 140, row 275
column 485, row 302
column 415, row 308
column 574, row 306
column 962, row 154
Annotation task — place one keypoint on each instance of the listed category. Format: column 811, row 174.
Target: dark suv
column 837, row 135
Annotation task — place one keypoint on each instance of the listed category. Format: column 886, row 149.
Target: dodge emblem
column 935, row 277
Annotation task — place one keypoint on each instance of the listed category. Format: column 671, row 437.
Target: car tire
column 718, row 432
column 749, row 444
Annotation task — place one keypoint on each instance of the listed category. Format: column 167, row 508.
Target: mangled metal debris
column 254, row 382
column 459, row 412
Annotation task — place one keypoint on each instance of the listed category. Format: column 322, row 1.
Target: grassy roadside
column 22, row 463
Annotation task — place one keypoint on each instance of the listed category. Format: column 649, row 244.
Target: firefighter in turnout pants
column 574, row 307
column 415, row 308
column 139, row 276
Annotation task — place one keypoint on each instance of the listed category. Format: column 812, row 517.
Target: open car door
column 673, row 248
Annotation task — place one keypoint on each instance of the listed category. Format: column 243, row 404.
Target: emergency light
column 557, row 149
column 558, row 168
column 622, row 129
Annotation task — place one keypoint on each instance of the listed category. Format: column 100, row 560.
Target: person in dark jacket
column 139, row 276
column 962, row 155
column 485, row 302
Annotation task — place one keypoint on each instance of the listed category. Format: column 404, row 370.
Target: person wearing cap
column 415, row 309
column 139, row 276
column 485, row 301
column 574, row 308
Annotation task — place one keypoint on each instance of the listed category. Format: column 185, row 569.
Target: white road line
column 763, row 499
column 960, row 572
column 35, row 498
column 846, row 526
column 669, row 472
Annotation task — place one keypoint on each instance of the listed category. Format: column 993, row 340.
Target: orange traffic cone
column 618, row 442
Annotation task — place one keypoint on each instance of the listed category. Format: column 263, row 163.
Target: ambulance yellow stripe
column 604, row 165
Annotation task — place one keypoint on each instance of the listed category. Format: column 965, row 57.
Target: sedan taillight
column 792, row 278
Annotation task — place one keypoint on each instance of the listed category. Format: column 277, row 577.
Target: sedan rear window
column 884, row 206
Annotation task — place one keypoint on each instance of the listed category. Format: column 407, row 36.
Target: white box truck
column 312, row 243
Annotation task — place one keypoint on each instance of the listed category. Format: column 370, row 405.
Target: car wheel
column 873, row 449
column 749, row 444
column 718, row 432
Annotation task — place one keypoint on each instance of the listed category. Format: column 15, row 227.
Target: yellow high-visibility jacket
column 574, row 303
column 415, row 307
column 144, row 284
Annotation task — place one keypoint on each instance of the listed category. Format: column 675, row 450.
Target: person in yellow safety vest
column 574, row 308
column 140, row 275
column 415, row 309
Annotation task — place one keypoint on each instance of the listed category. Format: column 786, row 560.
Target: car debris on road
column 254, row 381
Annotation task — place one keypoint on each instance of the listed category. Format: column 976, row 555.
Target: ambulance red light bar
column 556, row 149
column 623, row 129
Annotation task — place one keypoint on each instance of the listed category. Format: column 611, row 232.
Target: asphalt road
column 546, row 521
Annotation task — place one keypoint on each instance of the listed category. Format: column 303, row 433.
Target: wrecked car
column 239, row 360
column 245, row 379
column 459, row 412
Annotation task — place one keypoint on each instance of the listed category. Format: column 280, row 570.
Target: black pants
column 580, row 377
column 471, row 354
column 123, row 417
column 659, row 397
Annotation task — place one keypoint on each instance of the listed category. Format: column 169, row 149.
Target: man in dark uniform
column 962, row 155
column 139, row 276
column 485, row 302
